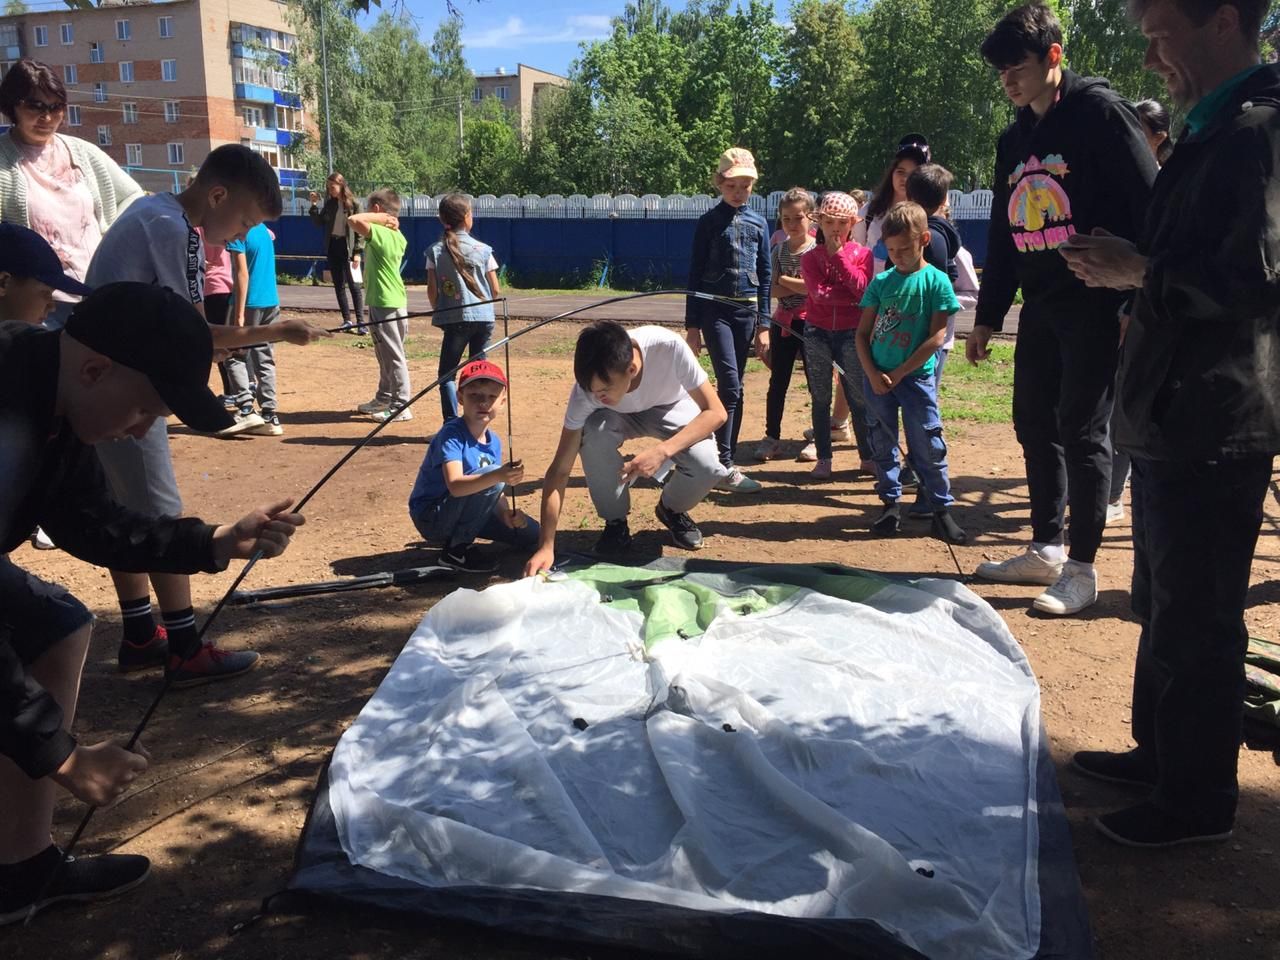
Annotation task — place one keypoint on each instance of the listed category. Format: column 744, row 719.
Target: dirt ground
column 221, row 808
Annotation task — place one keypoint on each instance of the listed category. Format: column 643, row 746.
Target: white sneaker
column 842, row 431
column 1115, row 512
column 809, row 452
column 382, row 416
column 244, row 422
column 1028, row 567
column 1076, row 589
column 40, row 540
column 735, row 481
column 373, row 406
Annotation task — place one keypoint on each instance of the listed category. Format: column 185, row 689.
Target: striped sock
column 139, row 625
column 181, row 625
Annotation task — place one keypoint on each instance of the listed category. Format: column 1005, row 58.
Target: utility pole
column 324, row 66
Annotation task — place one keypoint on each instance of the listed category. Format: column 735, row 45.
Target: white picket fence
column 603, row 206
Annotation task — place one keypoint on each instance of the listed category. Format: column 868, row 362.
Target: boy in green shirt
column 903, row 326
column 388, row 302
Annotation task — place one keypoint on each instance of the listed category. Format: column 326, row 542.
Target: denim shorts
column 35, row 615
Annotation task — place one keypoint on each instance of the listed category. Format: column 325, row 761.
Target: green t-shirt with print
column 383, row 254
column 905, row 304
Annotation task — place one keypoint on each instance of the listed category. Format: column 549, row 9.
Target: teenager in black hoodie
column 1074, row 159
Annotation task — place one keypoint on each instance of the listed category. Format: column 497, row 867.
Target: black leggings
column 340, row 271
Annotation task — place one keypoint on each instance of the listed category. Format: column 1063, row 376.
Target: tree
column 491, row 159
column 1101, row 41
column 15, row 8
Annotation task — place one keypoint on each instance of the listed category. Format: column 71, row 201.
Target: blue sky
column 503, row 33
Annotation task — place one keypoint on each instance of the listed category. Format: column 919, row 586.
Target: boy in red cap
column 458, row 494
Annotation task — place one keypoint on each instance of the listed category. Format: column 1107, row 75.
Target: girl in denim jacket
column 461, row 274
column 730, row 258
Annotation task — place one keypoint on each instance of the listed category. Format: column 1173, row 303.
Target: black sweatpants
column 1063, row 388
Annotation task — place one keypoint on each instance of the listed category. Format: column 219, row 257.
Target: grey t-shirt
column 152, row 242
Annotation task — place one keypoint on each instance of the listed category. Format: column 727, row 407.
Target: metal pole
column 324, row 66
column 460, row 143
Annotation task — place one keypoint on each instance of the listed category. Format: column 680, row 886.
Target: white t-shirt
column 152, row 242
column 669, row 372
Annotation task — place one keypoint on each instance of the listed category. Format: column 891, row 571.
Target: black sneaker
column 946, row 529
column 133, row 657
column 684, row 531
column 907, row 477
column 467, row 559
column 921, row 508
column 1146, row 825
column 615, row 540
column 1132, row 768
column 93, row 878
column 889, row 522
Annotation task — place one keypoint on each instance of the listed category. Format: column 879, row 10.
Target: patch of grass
column 602, row 293
column 753, row 365
column 415, row 347
column 981, row 394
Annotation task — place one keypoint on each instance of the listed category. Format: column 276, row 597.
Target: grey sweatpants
column 258, row 365
column 695, row 472
column 388, row 345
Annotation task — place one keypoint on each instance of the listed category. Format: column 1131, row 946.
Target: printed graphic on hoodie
column 1039, row 209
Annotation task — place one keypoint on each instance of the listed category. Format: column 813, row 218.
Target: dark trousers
column 727, row 332
column 783, row 351
column 340, row 272
column 1195, row 526
column 1063, row 387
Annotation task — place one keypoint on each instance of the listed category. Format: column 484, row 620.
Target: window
column 175, row 153
column 123, row 31
column 95, row 53
column 476, row 94
column 99, row 93
column 133, row 154
column 169, row 70
column 104, row 136
column 502, row 92
column 70, row 74
column 252, row 116
column 42, row 36
column 130, row 112
column 288, row 118
column 247, row 71
column 67, row 33
column 73, row 115
column 126, row 71
column 166, row 28
column 171, row 111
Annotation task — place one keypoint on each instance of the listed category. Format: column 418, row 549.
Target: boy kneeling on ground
column 458, row 494
column 645, row 383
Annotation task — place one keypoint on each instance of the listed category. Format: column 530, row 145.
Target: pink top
column 60, row 206
column 835, row 285
column 217, row 266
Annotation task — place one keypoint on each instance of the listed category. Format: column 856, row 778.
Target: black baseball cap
column 915, row 146
column 24, row 253
column 151, row 329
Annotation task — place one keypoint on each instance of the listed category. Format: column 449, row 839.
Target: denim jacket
column 452, row 290
column 730, row 258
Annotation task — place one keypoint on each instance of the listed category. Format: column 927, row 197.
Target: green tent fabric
column 1262, row 675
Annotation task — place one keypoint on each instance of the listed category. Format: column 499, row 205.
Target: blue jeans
column 459, row 521
column 917, row 398
column 727, row 331
column 471, row 337
column 821, row 347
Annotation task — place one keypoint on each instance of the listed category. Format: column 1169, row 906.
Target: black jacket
column 1200, row 367
column 52, row 479
column 323, row 218
column 944, row 244
column 1085, row 164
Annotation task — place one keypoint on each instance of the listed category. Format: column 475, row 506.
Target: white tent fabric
column 819, row 759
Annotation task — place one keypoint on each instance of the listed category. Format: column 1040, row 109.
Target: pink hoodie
column 835, row 285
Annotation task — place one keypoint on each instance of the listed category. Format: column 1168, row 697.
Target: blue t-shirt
column 905, row 304
column 453, row 442
column 259, row 249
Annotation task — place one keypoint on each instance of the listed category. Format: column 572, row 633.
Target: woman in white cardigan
column 63, row 188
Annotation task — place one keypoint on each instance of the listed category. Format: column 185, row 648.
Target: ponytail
column 453, row 214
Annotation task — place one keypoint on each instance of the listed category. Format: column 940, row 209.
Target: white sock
column 1052, row 552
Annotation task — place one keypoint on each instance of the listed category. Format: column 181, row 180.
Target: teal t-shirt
column 383, row 251
column 259, row 249
column 905, row 304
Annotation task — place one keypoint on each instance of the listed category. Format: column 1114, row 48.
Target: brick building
column 159, row 84
column 518, row 92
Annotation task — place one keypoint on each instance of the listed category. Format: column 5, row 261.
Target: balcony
column 255, row 93
column 283, row 99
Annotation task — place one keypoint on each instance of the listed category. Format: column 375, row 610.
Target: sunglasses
column 40, row 108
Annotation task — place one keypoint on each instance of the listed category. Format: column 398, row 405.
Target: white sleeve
column 491, row 265
column 580, row 407
column 684, row 365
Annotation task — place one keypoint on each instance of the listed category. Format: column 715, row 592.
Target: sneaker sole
column 16, row 916
column 1114, row 837
column 238, row 428
column 266, row 430
column 1122, row 781
column 459, row 569
column 1047, row 581
column 213, row 677
column 1054, row 611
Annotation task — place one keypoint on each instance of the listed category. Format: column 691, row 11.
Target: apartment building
column 159, row 84
column 518, row 92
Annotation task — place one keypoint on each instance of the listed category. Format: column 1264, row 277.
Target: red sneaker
column 133, row 657
column 209, row 665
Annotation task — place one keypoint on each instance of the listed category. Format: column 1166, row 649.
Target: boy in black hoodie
column 1074, row 159
column 928, row 186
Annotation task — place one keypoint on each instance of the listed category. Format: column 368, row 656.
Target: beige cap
column 737, row 162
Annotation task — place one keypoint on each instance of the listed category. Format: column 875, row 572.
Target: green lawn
column 982, row 394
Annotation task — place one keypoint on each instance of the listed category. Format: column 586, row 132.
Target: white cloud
column 514, row 32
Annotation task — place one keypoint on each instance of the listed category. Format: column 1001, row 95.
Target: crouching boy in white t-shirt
column 640, row 383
